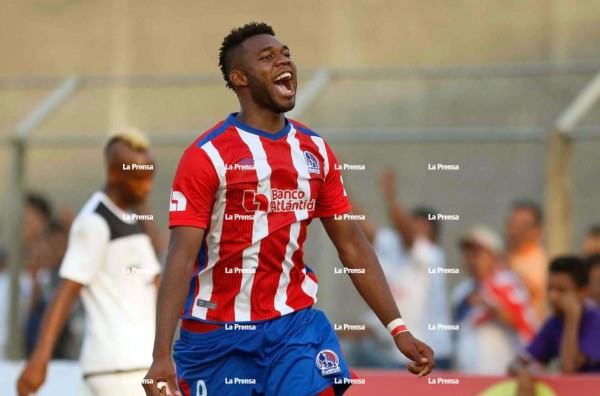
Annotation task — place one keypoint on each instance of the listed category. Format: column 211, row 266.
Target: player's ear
column 238, row 78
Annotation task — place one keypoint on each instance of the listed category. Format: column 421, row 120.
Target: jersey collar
column 247, row 128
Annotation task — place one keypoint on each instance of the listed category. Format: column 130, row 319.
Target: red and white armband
column 396, row 327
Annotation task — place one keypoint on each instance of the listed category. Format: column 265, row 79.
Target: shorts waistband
column 195, row 326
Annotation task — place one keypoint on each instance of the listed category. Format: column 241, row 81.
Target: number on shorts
column 201, row 388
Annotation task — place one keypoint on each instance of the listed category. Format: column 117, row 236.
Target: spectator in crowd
column 571, row 334
column 36, row 223
column 492, row 307
column 44, row 259
column 36, row 218
column 591, row 243
column 594, row 278
column 525, row 253
column 407, row 253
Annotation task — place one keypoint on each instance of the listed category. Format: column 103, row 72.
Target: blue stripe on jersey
column 305, row 130
column 216, row 132
column 202, row 263
column 247, row 128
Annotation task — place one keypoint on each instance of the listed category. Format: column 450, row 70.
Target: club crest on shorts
column 328, row 362
column 312, row 162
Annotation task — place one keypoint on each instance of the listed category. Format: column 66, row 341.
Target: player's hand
column 570, row 305
column 417, row 351
column 32, row 377
column 161, row 371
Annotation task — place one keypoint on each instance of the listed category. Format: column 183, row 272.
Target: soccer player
column 243, row 196
column 111, row 263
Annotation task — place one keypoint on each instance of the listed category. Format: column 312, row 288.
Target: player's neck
column 113, row 194
column 263, row 119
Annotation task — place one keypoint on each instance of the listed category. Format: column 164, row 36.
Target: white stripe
column 214, row 236
column 321, row 145
column 309, row 286
column 287, row 265
column 260, row 226
column 302, row 169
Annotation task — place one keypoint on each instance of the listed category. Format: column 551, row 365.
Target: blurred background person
column 492, row 307
column 36, row 223
column 594, row 278
column 591, row 242
column 571, row 334
column 525, row 253
column 111, row 262
column 408, row 252
column 43, row 262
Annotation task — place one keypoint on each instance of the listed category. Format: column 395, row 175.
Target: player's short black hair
column 574, row 266
column 232, row 41
column 424, row 212
column 533, row 207
column 39, row 203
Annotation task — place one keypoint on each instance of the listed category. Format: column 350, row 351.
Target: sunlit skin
column 255, row 66
column 130, row 188
column 480, row 262
column 521, row 229
column 563, row 293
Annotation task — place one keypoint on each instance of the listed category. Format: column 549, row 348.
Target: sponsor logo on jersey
column 279, row 201
column 312, row 162
column 178, row 202
column 328, row 362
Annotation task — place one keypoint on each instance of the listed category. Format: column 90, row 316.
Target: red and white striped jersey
column 255, row 194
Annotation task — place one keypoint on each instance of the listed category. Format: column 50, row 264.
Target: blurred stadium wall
column 474, row 83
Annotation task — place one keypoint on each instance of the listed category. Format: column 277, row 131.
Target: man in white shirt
column 411, row 258
column 111, row 263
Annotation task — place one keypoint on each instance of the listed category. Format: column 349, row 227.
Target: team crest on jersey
column 328, row 362
column 312, row 162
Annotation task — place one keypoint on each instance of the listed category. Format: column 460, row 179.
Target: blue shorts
column 295, row 355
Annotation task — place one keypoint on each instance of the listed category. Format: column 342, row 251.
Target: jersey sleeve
column 332, row 199
column 194, row 188
column 88, row 241
column 541, row 348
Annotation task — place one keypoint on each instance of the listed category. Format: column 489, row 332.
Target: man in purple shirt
column 571, row 334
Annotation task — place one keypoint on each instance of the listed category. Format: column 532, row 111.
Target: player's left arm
column 356, row 252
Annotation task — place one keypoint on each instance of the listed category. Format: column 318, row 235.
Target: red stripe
column 297, row 298
column 398, row 330
column 238, row 234
column 516, row 309
column 184, row 387
column 272, row 254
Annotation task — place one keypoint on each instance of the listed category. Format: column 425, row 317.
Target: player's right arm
column 184, row 245
column 34, row 374
column 192, row 198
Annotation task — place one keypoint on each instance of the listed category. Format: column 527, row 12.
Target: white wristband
column 396, row 327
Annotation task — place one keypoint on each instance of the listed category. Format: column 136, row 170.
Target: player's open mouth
column 284, row 84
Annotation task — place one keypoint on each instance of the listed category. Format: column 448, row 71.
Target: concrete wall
column 57, row 37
